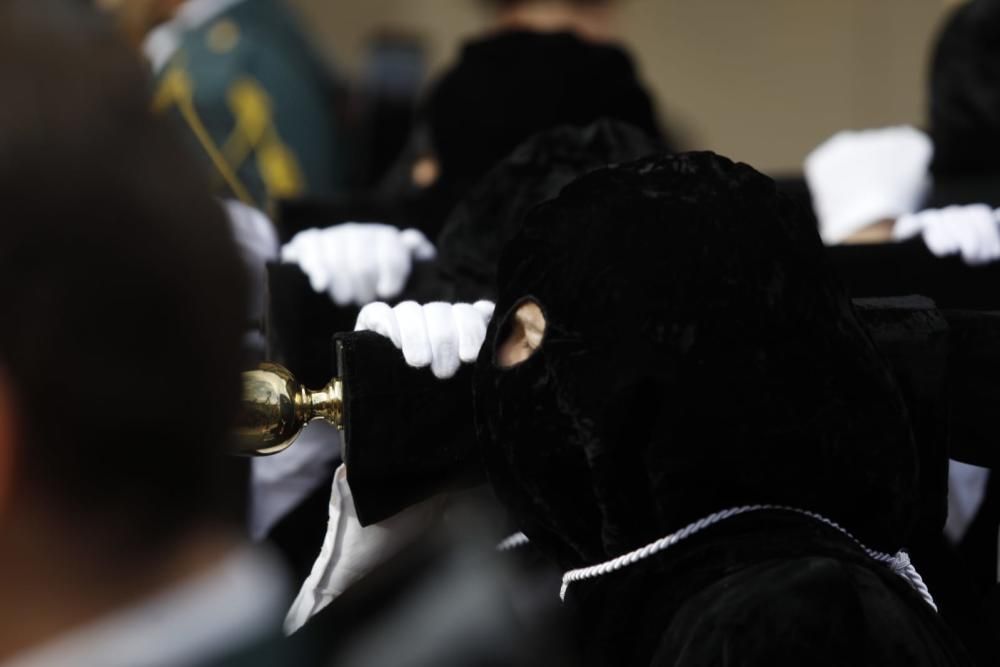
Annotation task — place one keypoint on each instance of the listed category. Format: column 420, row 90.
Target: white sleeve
column 350, row 551
column 966, row 492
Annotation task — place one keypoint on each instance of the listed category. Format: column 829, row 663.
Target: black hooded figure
column 965, row 126
column 965, row 107
column 480, row 226
column 698, row 356
column 505, row 88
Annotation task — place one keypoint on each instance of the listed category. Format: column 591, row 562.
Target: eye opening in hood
column 521, row 334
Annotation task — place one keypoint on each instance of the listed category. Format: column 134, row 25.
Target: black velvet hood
column 699, row 355
column 470, row 244
column 511, row 85
column 965, row 93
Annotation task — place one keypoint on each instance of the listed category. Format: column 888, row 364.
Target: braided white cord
column 900, row 563
column 515, row 541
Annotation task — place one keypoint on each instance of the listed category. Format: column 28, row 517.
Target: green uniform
column 258, row 105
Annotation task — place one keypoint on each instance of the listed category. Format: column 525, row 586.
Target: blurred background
column 763, row 81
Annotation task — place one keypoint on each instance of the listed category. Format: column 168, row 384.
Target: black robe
column 762, row 589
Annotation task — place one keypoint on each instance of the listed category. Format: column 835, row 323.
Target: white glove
column 860, row 178
column 358, row 262
column 971, row 231
column 439, row 335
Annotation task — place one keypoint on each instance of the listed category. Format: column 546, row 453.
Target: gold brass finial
column 276, row 407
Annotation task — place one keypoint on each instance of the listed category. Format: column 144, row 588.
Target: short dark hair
column 122, row 294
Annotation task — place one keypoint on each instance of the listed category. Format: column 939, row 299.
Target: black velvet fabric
column 516, row 83
column 301, row 323
column 965, row 93
column 981, row 188
column 698, row 355
column 974, row 367
column 407, row 434
column 475, row 233
column 899, row 269
column 762, row 590
column 511, row 85
column 693, row 329
column 913, row 336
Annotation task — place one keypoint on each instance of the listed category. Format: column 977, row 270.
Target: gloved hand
column 970, row 230
column 439, row 335
column 358, row 262
column 860, row 178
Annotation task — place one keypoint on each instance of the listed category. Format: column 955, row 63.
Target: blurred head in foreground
column 122, row 302
column 135, row 18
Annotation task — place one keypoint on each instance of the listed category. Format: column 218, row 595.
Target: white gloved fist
column 439, row 335
column 860, row 178
column 971, row 231
column 357, row 263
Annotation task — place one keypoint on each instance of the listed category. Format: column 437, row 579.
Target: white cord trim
column 515, row 541
column 899, row 563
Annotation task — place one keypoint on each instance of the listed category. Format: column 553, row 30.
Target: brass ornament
column 276, row 407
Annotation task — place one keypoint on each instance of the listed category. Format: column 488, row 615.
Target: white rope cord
column 899, row 563
column 515, row 541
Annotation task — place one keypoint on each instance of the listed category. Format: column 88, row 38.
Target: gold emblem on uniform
column 223, row 36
